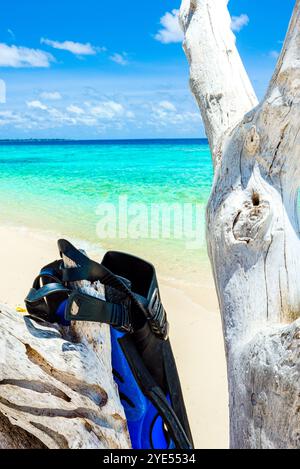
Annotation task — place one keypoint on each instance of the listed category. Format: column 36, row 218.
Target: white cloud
column 2, row 92
column 120, row 59
column 75, row 109
column 130, row 114
column 21, row 57
column 107, row 110
column 10, row 117
column 160, row 118
column 37, row 105
column 171, row 31
column 76, row 48
column 274, row 54
column 89, row 114
column 239, row 22
column 51, row 95
column 165, row 114
column 160, row 111
column 116, row 107
column 167, row 105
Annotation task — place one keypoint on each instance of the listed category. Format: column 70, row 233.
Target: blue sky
column 98, row 69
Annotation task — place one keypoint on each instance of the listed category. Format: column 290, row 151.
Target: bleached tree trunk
column 56, row 385
column 252, row 222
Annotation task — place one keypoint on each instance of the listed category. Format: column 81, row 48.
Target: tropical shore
column 194, row 318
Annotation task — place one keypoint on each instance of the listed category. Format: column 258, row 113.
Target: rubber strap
column 92, row 271
column 83, row 307
column 36, row 303
column 51, row 273
column 48, row 289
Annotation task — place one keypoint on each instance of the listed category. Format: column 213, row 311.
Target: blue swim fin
column 145, row 425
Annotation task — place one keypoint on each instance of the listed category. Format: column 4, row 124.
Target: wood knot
column 297, row 335
column 252, row 141
column 253, row 218
column 214, row 99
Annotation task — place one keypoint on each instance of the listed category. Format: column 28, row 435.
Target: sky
column 115, row 70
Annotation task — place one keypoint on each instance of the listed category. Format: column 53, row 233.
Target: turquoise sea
column 57, row 187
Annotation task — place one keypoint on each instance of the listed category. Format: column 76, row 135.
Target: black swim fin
column 144, row 365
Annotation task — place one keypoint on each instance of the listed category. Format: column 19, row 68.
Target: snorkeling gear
column 143, row 363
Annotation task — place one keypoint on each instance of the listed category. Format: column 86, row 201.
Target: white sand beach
column 196, row 331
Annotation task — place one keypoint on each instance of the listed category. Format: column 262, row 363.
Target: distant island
column 62, row 141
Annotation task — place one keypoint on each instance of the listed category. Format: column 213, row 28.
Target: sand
column 196, row 331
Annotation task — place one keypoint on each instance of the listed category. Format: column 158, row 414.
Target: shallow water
column 60, row 186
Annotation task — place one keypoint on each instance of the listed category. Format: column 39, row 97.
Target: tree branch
column 279, row 115
column 289, row 59
column 218, row 78
column 252, row 223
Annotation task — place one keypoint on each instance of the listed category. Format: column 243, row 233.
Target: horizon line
column 66, row 140
column 99, row 139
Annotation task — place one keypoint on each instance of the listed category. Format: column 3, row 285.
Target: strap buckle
column 158, row 316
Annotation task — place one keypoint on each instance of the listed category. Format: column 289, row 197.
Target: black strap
column 82, row 307
column 51, row 273
column 43, row 292
column 54, row 277
column 38, row 302
column 92, row 271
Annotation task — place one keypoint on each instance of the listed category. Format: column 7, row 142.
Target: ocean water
column 60, row 187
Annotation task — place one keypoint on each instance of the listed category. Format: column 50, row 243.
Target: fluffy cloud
column 120, row 59
column 76, row 48
column 166, row 113
column 171, row 31
column 239, row 22
column 20, row 57
column 37, row 105
column 9, row 117
column 89, row 114
column 130, row 115
column 161, row 118
column 75, row 109
column 167, row 105
column 2, row 92
column 158, row 113
column 107, row 110
column 51, row 95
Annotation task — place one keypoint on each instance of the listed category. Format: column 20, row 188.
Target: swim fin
column 143, row 363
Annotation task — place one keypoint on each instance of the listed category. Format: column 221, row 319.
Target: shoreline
column 184, row 275
column 196, row 330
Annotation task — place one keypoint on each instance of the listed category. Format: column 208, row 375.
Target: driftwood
column 56, row 384
column 252, row 222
